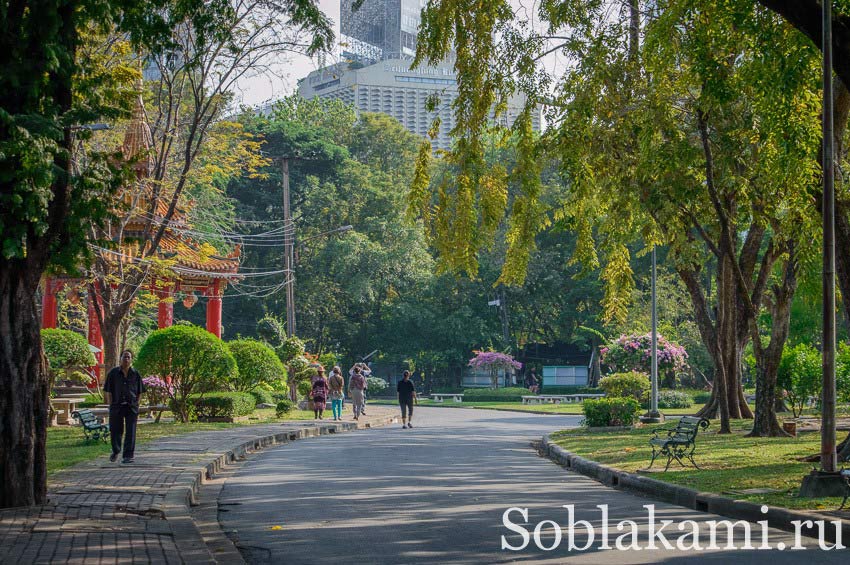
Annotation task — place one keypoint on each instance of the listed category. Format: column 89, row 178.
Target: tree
column 649, row 131
column 493, row 362
column 46, row 201
column 195, row 360
column 65, row 350
column 211, row 49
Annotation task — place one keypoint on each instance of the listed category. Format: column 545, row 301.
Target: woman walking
column 356, row 386
column 406, row 396
column 319, row 393
column 336, row 384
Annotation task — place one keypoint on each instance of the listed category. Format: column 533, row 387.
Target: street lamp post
column 653, row 416
column 827, row 481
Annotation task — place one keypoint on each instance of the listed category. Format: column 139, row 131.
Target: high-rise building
column 379, row 42
column 380, row 29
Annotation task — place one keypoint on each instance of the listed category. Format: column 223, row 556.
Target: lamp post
column 827, row 481
column 653, row 416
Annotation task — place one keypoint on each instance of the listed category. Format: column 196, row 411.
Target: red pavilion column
column 214, row 308
column 165, row 313
column 94, row 335
column 49, row 306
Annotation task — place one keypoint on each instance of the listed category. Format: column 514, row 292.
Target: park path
column 102, row 512
column 437, row 494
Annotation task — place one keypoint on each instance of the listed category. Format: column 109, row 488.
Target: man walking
column 406, row 396
column 122, row 390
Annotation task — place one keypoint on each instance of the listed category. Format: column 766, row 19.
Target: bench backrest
column 688, row 427
column 85, row 416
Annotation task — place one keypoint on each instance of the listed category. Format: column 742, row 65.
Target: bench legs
column 674, row 453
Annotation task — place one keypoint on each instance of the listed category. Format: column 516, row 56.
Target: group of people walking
column 332, row 388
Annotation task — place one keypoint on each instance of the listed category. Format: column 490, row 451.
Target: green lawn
column 66, row 445
column 729, row 462
column 574, row 408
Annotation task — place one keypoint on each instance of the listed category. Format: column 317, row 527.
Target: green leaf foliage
column 800, row 374
column 196, row 360
column 258, row 365
column 601, row 412
column 510, row 394
column 66, row 349
column 222, row 405
column 626, row 385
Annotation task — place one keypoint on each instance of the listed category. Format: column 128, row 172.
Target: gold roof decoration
column 138, row 139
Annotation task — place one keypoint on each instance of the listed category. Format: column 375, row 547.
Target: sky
column 256, row 91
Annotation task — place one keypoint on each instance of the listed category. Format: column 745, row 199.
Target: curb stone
column 777, row 517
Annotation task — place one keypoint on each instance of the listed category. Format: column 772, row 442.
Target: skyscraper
column 380, row 29
column 379, row 42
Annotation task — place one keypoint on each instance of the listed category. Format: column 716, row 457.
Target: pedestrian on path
column 319, row 393
column 366, row 372
column 336, row 384
column 121, row 391
column 406, row 396
column 531, row 381
column 356, row 386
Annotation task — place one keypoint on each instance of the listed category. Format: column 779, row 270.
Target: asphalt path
column 438, row 493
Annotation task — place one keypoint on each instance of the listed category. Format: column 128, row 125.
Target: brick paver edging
column 779, row 518
column 101, row 512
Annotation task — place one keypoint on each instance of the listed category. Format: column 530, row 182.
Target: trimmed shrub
column 262, row 396
column 258, row 365
column 222, row 405
column 626, row 385
column 284, row 406
column 376, row 384
column 278, row 395
column 674, row 399
column 91, row 400
column 196, row 360
column 575, row 389
column 513, row 394
column 65, row 350
column 702, row 396
column 305, row 386
column 602, row 412
column 447, row 390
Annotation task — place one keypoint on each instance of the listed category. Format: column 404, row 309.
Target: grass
column 729, row 462
column 572, row 408
column 67, row 446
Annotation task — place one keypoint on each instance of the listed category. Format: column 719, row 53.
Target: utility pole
column 653, row 416
column 288, row 251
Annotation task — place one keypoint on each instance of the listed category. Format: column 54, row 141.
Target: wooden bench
column 679, row 442
column 92, row 428
column 440, row 396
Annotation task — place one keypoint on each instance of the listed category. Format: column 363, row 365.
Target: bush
column 158, row 391
column 674, row 399
column 514, row 394
column 800, row 375
column 262, row 396
column 65, row 350
column 575, row 389
column 258, row 365
column 91, row 400
column 626, row 385
column 222, row 405
column 610, row 412
column 376, row 384
column 448, row 390
column 278, row 395
column 284, row 406
column 701, row 397
column 196, row 360
column 304, row 388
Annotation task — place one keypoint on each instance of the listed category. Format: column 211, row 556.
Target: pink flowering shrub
column 493, row 361
column 634, row 353
column 158, row 391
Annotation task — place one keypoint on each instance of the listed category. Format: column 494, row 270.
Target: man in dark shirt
column 406, row 394
column 122, row 390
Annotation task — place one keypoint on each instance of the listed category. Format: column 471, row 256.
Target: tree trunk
column 23, row 391
column 110, row 329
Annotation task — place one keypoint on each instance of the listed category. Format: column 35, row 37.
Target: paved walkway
column 437, row 494
column 102, row 512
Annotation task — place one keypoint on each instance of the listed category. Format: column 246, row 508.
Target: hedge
column 284, row 407
column 575, row 389
column 610, row 411
column 222, row 405
column 674, row 399
column 513, row 394
column 265, row 396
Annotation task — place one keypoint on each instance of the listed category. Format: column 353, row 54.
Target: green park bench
column 679, row 442
column 92, row 427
